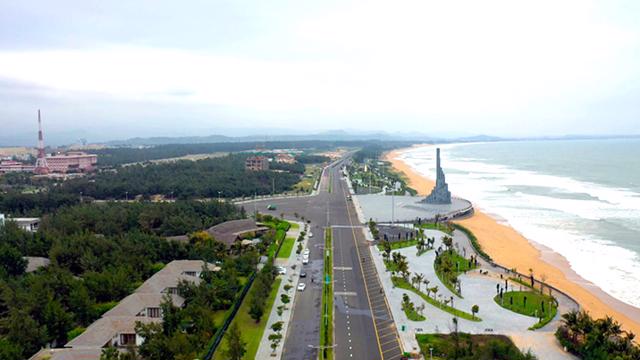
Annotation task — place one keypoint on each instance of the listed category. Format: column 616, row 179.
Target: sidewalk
column 291, row 278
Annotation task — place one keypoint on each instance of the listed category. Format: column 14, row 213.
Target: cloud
column 478, row 65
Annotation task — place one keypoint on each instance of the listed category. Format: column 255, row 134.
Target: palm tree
column 434, row 290
column 474, row 310
column 403, row 267
column 426, row 283
column 420, row 278
column 448, row 242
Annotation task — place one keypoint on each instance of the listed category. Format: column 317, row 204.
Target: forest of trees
column 126, row 155
column 209, row 178
column 596, row 339
column 99, row 254
column 183, row 180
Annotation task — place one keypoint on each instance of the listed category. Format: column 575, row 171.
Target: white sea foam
column 555, row 218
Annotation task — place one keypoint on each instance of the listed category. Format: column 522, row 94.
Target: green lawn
column 403, row 284
column 400, row 244
column 432, row 226
column 413, row 315
column 469, row 347
column 250, row 331
column 458, row 265
column 514, row 301
column 287, row 246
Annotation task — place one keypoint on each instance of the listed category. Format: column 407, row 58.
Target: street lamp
column 219, row 193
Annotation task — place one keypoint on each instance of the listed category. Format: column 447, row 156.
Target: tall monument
column 440, row 193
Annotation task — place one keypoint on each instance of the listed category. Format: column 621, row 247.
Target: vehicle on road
column 305, row 260
column 306, row 252
column 271, row 207
column 302, row 286
column 281, row 270
column 303, row 274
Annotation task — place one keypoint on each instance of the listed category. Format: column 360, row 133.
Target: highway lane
column 363, row 327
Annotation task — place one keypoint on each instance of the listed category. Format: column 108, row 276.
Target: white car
column 305, row 260
column 281, row 270
column 306, row 252
column 302, row 286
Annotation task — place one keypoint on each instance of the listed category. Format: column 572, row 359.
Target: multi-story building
column 74, row 161
column 257, row 163
column 7, row 166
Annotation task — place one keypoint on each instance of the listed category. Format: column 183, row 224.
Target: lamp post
column 219, row 195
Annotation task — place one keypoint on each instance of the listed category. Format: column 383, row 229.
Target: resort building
column 116, row 327
column 257, row 163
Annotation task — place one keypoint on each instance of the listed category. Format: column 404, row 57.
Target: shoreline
column 501, row 242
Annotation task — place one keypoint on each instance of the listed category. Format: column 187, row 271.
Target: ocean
column 581, row 198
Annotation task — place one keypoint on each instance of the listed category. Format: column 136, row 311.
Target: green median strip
column 326, row 321
column 404, row 284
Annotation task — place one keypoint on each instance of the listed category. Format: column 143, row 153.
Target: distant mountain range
column 65, row 138
column 335, row 135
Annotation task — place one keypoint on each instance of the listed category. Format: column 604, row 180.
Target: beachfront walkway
column 478, row 290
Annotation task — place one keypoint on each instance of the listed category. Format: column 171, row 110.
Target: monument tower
column 42, row 168
column 440, row 193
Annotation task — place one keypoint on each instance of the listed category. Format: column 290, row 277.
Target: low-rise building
column 230, row 231
column 285, row 158
column 27, row 224
column 257, row 163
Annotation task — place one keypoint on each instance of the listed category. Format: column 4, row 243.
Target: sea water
column 581, row 198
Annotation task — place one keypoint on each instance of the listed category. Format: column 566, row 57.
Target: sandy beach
column 509, row 248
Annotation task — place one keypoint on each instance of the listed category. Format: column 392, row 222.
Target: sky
column 115, row 69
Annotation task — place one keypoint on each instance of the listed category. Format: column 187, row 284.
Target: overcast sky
column 117, row 69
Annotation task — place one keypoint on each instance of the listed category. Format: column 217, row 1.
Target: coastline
column 501, row 242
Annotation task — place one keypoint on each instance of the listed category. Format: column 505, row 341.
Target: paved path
column 292, row 278
column 476, row 290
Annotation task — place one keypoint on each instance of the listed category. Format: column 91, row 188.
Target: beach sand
column 509, row 248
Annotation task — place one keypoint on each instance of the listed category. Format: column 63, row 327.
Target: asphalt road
column 363, row 327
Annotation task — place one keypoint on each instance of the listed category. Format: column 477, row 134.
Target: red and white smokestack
column 42, row 168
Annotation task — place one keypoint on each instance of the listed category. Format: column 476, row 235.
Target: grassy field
column 514, row 301
column 469, row 347
column 250, row 331
column 459, row 265
column 403, row 284
column 326, row 325
column 311, row 175
column 287, row 246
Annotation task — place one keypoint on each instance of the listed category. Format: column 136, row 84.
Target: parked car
column 303, row 274
column 281, row 270
column 305, row 260
column 271, row 207
column 306, row 252
column 302, row 286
